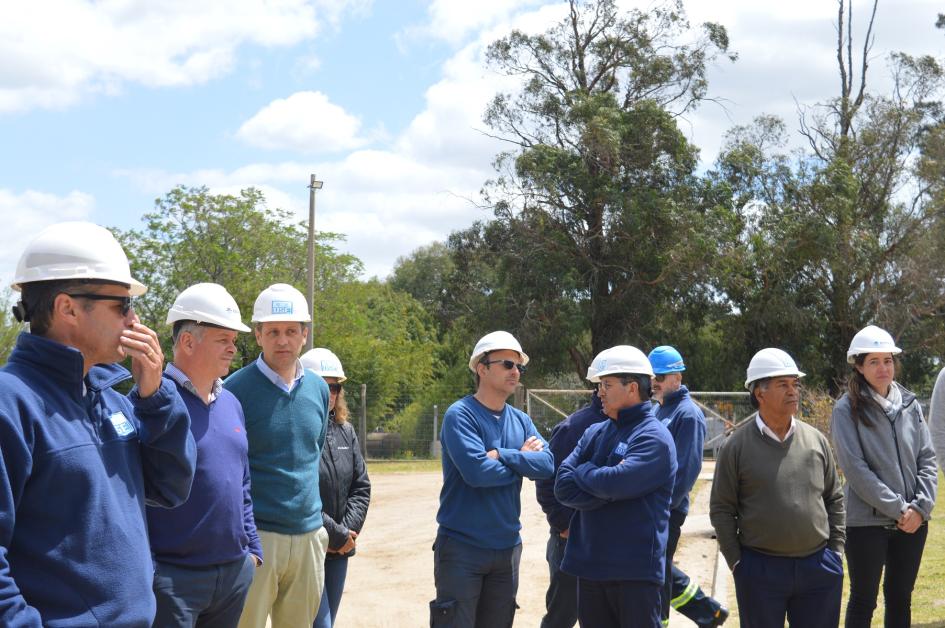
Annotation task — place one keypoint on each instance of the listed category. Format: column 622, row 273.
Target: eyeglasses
column 508, row 364
column 659, row 378
column 335, row 388
column 126, row 303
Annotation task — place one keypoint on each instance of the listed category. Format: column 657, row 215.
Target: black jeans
column 869, row 550
column 561, row 597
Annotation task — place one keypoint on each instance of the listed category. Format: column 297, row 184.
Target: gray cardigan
column 888, row 466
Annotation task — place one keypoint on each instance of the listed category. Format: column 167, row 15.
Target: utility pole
column 314, row 184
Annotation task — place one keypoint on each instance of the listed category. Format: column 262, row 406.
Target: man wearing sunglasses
column 686, row 422
column 488, row 447
column 80, row 460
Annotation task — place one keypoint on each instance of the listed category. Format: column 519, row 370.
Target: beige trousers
column 288, row 586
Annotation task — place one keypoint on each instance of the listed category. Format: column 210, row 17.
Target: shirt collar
column 276, row 379
column 179, row 376
column 767, row 431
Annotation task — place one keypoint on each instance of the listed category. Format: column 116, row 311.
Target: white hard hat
column 621, row 359
column 871, row 339
column 75, row 250
column 323, row 362
column 495, row 341
column 280, row 302
column 770, row 362
column 207, row 303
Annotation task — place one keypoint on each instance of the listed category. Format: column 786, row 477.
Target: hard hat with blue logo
column 666, row 359
column 323, row 362
column 280, row 302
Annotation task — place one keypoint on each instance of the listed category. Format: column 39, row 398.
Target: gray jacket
column 888, row 465
column 937, row 418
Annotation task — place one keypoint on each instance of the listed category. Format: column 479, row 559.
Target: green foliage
column 9, row 327
column 193, row 236
column 845, row 234
column 601, row 227
column 383, row 337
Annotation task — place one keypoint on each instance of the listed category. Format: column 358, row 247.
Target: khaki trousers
column 288, row 586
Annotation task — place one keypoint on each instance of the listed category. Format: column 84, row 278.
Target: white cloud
column 453, row 21
column 419, row 187
column 27, row 213
column 306, row 122
column 54, row 53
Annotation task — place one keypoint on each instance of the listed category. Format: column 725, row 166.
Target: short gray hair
column 194, row 328
column 758, row 383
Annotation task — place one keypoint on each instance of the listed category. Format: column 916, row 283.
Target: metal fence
column 409, row 428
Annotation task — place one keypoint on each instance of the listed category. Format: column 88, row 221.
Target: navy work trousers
column 561, row 597
column 475, row 586
column 869, row 550
column 618, row 603
column 679, row 591
column 807, row 590
column 209, row 596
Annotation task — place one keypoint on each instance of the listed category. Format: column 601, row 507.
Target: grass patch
column 402, row 466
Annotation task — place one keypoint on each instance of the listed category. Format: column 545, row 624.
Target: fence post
column 435, row 443
column 519, row 396
column 364, row 420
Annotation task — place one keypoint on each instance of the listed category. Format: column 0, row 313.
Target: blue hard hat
column 666, row 359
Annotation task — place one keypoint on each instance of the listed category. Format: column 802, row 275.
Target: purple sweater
column 215, row 525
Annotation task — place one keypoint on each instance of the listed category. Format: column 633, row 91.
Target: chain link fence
column 408, row 427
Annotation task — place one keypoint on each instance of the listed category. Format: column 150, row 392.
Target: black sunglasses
column 126, row 304
column 508, row 364
column 659, row 378
column 335, row 388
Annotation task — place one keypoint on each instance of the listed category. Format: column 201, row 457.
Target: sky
column 106, row 106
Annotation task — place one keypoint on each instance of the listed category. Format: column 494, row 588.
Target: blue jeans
column 475, row 586
column 618, row 603
column 209, row 597
column 335, row 571
column 561, row 597
column 807, row 589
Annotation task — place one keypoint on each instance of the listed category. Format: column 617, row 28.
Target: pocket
column 831, row 562
column 442, row 613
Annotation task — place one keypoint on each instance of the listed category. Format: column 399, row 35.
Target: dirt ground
column 390, row 581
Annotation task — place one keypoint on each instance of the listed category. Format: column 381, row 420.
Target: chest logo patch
column 621, row 449
column 122, row 425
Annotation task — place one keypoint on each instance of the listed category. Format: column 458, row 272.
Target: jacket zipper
column 902, row 474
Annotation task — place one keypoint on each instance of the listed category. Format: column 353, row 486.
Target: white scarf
column 892, row 402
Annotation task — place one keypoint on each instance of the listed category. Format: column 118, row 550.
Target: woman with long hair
column 885, row 452
column 343, row 482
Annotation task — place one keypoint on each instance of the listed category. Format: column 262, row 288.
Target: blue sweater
column 686, row 422
column 75, row 472
column 564, row 437
column 619, row 479
column 215, row 525
column 286, row 432
column 480, row 502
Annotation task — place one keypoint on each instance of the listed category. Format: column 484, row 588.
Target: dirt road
column 390, row 581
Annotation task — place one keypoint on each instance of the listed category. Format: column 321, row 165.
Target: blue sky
column 113, row 103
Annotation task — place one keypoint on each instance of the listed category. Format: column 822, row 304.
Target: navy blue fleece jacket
column 77, row 465
column 480, row 502
column 619, row 479
column 564, row 437
column 686, row 422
